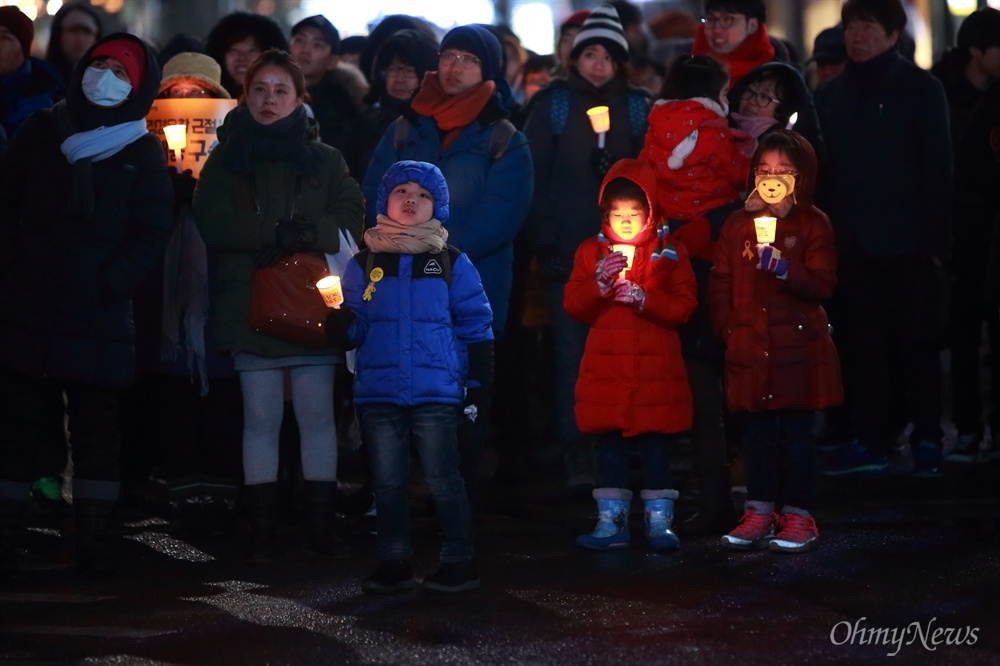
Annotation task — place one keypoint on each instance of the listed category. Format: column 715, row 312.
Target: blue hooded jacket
column 413, row 329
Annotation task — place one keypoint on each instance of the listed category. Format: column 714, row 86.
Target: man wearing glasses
column 458, row 122
column 733, row 32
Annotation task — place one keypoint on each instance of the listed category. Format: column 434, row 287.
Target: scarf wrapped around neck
column 285, row 140
column 391, row 236
column 451, row 112
column 754, row 51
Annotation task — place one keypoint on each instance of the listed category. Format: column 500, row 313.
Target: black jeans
column 28, row 417
column 781, row 457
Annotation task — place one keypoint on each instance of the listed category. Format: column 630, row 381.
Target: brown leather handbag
column 285, row 302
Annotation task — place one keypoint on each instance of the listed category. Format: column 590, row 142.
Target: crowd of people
column 754, row 256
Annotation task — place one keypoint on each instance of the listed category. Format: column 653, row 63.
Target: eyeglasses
column 178, row 92
column 724, row 21
column 399, row 70
column 448, row 58
column 760, row 98
column 779, row 171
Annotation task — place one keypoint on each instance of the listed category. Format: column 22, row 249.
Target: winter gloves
column 608, row 269
column 290, row 236
column 184, row 184
column 771, row 260
column 629, row 293
column 338, row 322
column 480, row 381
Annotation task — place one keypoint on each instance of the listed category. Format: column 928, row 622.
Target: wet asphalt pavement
column 908, row 573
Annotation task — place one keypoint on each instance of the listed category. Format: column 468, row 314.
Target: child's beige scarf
column 391, row 236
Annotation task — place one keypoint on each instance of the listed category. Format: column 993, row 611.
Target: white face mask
column 103, row 88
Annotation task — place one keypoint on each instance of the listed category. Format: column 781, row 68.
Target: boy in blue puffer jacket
column 413, row 305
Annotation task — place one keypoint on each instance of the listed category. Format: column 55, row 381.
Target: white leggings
column 263, row 406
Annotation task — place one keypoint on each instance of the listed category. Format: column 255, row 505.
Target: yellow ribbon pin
column 376, row 275
column 746, row 250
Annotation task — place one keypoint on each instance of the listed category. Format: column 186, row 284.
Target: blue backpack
column 638, row 112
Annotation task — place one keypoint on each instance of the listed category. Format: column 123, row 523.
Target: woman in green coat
column 270, row 189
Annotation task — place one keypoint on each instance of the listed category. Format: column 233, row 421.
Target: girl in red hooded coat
column 633, row 285
column 781, row 364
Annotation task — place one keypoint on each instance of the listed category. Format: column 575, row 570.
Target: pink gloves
column 628, row 293
column 608, row 269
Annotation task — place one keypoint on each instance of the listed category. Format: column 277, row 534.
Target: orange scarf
column 451, row 112
column 755, row 50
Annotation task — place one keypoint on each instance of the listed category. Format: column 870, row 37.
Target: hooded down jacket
column 632, row 378
column 779, row 354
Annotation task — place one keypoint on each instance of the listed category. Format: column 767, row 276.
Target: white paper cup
column 329, row 287
column 600, row 119
column 764, row 226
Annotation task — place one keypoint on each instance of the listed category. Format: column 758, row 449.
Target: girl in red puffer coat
column 632, row 388
column 766, row 291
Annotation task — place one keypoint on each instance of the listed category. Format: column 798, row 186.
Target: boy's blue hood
column 423, row 174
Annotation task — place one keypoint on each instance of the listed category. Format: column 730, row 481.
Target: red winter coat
column 779, row 354
column 712, row 175
column 632, row 378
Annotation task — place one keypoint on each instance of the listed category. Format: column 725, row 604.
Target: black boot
column 321, row 504
column 262, row 506
column 93, row 553
column 716, row 515
column 11, row 525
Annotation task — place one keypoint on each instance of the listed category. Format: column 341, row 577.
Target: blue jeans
column 781, row 457
column 615, row 456
column 387, row 430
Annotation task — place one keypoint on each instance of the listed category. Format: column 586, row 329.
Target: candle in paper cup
column 765, row 229
column 629, row 252
column 176, row 141
column 600, row 119
column 329, row 287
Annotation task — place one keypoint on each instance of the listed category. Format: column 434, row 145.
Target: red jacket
column 714, row 172
column 779, row 354
column 632, row 378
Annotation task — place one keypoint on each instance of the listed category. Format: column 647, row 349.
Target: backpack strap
column 559, row 110
column 400, row 128
column 503, row 132
column 447, row 259
column 638, row 114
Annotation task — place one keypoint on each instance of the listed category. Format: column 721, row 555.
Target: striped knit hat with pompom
column 605, row 28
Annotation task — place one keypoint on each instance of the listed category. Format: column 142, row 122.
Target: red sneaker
column 754, row 531
column 797, row 535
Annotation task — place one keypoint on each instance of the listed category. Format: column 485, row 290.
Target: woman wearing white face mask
column 85, row 212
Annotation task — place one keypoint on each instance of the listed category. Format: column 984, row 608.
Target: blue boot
column 659, row 517
column 612, row 520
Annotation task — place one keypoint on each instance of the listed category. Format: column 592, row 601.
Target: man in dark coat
column 85, row 212
column 966, row 71
column 887, row 190
column 315, row 48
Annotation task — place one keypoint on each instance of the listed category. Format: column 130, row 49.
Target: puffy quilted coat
column 714, row 172
column 632, row 378
column 779, row 354
column 412, row 332
column 68, row 270
column 489, row 197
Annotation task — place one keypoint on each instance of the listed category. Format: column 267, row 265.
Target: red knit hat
column 128, row 53
column 19, row 25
